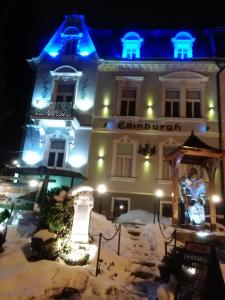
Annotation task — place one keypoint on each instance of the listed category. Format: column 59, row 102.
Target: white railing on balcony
column 53, row 109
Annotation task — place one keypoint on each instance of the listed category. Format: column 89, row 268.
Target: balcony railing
column 53, row 109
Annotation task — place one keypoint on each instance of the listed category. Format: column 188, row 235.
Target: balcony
column 51, row 109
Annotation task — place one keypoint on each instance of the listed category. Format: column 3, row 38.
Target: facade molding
column 157, row 66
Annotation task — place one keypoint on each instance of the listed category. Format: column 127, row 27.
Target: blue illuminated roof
column 209, row 43
column 155, row 44
column 183, row 35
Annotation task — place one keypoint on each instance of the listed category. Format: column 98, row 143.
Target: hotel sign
column 118, row 124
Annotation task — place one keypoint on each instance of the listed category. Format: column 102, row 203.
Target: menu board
column 194, row 272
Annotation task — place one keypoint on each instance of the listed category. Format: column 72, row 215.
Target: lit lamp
column 101, row 189
column 159, row 195
column 215, row 200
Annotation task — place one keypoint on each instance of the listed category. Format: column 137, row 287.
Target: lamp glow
column 101, row 188
column 159, row 193
column 216, row 198
column 202, row 233
column 77, row 160
column 33, row 183
column 31, row 157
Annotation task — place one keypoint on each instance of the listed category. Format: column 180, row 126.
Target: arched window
column 70, row 38
column 183, row 45
column 131, row 45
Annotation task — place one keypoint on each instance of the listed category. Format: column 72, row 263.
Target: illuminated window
column 128, row 102
column 172, row 103
column 193, row 102
column 124, row 158
column 131, row 45
column 183, row 45
column 56, row 153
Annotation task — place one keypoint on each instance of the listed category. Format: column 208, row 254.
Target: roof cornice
column 157, row 66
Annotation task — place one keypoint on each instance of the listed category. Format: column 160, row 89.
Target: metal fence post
column 99, row 248
column 118, row 252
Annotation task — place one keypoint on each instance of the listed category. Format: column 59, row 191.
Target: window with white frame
column 56, row 153
column 183, row 94
column 128, row 101
column 193, row 104
column 65, row 80
column 128, row 89
column 172, row 103
column 124, row 158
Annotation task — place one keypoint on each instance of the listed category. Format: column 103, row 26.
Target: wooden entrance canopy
column 195, row 152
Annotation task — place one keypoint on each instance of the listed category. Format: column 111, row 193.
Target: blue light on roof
column 53, row 54
column 183, row 44
column 131, row 45
column 84, row 53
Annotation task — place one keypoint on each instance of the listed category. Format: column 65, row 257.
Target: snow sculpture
column 193, row 197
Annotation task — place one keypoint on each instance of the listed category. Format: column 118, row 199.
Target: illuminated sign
column 113, row 124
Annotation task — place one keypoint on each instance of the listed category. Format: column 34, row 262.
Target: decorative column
column 211, row 167
column 175, row 161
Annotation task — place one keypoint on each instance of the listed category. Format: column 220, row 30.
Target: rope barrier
column 107, row 239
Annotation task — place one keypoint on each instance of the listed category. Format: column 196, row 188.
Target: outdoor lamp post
column 159, row 195
column 216, row 199
column 101, row 189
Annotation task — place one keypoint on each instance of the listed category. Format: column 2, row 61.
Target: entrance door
column 120, row 207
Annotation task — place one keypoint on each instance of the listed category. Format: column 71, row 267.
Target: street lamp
column 216, row 199
column 158, row 194
column 101, row 189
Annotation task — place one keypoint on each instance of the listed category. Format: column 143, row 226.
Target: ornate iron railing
column 53, row 109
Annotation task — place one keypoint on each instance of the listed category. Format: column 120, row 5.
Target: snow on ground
column 141, row 250
column 140, row 216
column 23, row 280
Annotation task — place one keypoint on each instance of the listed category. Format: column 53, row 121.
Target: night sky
column 26, row 28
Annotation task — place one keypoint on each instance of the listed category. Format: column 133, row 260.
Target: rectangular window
column 124, row 160
column 193, row 100
column 128, row 102
column 172, row 103
column 56, row 153
column 65, row 92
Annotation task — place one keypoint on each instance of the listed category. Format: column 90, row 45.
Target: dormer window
column 183, row 44
column 131, row 45
column 70, row 39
